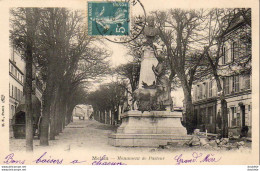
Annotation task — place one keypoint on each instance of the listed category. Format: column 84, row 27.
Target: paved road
column 85, row 134
column 78, row 135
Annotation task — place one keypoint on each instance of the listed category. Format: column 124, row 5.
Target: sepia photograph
column 130, row 83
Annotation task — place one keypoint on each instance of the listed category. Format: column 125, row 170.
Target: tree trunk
column 69, row 113
column 28, row 83
column 61, row 117
column 47, row 98
column 223, row 103
column 52, row 121
column 44, row 134
column 63, row 121
column 190, row 124
column 28, row 100
column 224, row 118
column 56, row 111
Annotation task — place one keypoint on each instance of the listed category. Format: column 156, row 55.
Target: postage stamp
column 108, row 18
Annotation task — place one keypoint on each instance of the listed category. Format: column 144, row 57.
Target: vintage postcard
column 129, row 82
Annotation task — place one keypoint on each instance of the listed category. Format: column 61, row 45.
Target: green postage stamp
column 108, row 18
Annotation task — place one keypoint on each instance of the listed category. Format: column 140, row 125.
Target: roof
column 236, row 22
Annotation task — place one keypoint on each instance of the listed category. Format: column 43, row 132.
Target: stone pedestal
column 149, row 129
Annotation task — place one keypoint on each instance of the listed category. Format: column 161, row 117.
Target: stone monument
column 153, row 123
column 148, row 60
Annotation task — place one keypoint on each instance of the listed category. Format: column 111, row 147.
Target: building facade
column 235, row 75
column 16, row 82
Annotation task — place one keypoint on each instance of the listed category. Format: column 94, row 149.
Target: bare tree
column 131, row 71
column 24, row 25
column 70, row 60
column 181, row 32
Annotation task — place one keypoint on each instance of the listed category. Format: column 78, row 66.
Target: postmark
column 108, row 18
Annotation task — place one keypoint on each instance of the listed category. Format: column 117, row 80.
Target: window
column 210, row 88
column 247, row 84
column 12, row 91
column 234, row 51
column 15, row 72
column 12, row 69
column 15, row 93
column 195, row 92
column 200, row 91
column 18, row 97
column 18, row 76
column 235, row 84
column 21, row 95
column 205, row 90
column 224, row 55
column 249, row 108
column 226, row 85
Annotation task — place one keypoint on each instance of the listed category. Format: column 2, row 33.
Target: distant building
column 82, row 111
column 236, row 86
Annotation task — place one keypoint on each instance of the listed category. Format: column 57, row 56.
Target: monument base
column 149, row 129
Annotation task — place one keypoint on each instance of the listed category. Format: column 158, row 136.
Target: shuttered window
column 210, row 88
column 224, row 55
column 247, row 84
column 226, row 85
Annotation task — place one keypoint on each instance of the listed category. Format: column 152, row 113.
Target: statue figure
column 147, row 77
column 163, row 85
column 150, row 31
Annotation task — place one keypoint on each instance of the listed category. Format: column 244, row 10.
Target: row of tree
column 109, row 98
column 66, row 58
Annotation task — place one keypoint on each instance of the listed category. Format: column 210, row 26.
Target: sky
column 119, row 53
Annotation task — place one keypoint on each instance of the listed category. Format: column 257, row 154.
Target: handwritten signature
column 197, row 157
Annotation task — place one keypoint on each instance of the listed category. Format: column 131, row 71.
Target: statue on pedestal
column 153, row 123
column 154, row 89
column 147, row 77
